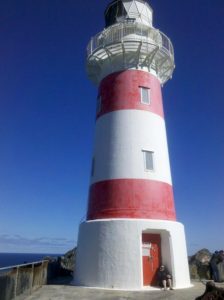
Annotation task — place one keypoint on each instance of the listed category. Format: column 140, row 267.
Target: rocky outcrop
column 199, row 265
column 62, row 266
column 68, row 260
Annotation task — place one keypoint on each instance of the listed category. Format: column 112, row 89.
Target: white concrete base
column 109, row 253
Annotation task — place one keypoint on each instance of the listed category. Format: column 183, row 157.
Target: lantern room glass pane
column 115, row 13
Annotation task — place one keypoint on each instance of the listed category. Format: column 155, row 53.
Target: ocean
column 12, row 259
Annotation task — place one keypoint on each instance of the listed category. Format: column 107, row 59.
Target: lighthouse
column 130, row 227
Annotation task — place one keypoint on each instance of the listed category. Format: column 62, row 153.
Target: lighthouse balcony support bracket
column 130, row 45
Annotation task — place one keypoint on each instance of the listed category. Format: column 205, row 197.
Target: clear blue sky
column 47, row 111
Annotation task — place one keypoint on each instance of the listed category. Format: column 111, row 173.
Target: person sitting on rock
column 164, row 278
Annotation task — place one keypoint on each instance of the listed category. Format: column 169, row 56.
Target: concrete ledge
column 58, row 292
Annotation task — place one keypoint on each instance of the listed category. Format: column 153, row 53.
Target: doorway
column 151, row 257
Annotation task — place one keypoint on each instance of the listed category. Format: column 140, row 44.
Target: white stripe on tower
column 120, row 138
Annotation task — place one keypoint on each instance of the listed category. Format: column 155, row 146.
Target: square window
column 145, row 95
column 148, row 160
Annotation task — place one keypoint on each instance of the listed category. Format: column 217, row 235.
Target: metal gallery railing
column 127, row 32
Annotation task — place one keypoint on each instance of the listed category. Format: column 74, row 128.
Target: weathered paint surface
column 121, row 90
column 109, row 253
column 131, row 198
column 20, row 280
column 151, row 258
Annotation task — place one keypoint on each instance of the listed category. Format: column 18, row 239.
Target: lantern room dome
column 119, row 11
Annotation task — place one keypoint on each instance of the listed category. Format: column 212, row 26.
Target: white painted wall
column 120, row 137
column 109, row 253
column 178, row 262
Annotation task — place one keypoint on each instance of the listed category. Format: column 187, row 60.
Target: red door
column 151, row 257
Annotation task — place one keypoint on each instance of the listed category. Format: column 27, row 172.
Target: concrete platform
column 69, row 292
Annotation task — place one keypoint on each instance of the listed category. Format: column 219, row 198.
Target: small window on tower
column 148, row 160
column 145, row 95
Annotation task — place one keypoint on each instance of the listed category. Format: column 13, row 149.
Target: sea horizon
column 8, row 259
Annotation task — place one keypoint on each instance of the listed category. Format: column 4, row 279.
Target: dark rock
column 61, row 266
column 212, row 292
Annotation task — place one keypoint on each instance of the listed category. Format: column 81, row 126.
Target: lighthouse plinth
column 113, row 253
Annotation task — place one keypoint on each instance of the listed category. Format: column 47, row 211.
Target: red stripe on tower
column 121, row 90
column 131, row 198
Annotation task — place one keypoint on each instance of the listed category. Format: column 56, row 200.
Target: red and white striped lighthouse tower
column 131, row 225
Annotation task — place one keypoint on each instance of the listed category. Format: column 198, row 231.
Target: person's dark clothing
column 163, row 275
